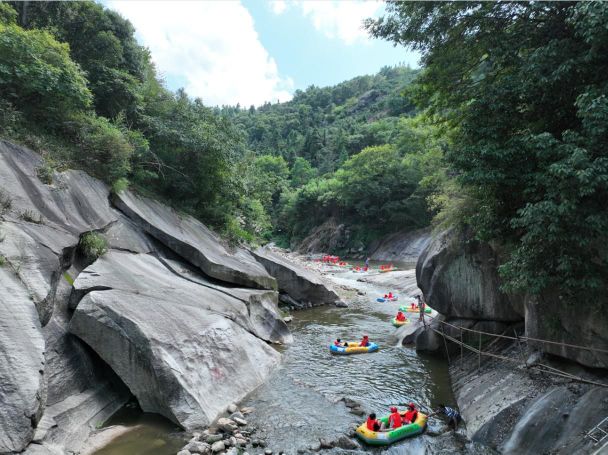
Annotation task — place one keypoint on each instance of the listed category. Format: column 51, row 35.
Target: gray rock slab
column 192, row 240
column 301, row 284
column 22, row 386
column 459, row 279
column 184, row 350
column 404, row 246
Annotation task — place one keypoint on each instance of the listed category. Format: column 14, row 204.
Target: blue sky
column 252, row 51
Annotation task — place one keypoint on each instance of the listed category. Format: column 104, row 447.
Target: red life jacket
column 364, row 342
column 370, row 423
column 337, row 343
column 395, row 420
column 400, row 317
column 410, row 416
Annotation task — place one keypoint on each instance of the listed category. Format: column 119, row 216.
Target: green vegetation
column 92, row 245
column 523, row 88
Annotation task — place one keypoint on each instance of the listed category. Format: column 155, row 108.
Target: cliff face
column 168, row 314
column 508, row 405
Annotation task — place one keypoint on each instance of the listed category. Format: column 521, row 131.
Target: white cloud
column 212, row 46
column 278, row 6
column 341, row 19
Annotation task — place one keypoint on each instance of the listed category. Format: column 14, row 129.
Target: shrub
column 120, row 185
column 6, row 202
column 2, row 260
column 92, row 245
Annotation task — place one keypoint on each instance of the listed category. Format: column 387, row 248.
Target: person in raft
column 410, row 415
column 394, row 420
column 454, row 417
column 372, row 422
column 400, row 316
column 390, row 295
column 338, row 342
column 365, row 341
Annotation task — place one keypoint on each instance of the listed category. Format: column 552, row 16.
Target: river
column 300, row 402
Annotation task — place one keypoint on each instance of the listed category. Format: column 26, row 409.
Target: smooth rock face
column 572, row 321
column 459, row 279
column 299, row 283
column 400, row 246
column 192, row 240
column 184, row 350
column 22, row 387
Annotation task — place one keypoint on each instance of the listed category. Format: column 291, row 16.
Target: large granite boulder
column 459, row 279
column 570, row 321
column 403, row 246
column 22, row 385
column 300, row 284
column 192, row 240
column 185, row 350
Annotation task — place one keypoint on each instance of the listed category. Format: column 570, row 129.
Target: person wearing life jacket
column 390, row 295
column 338, row 342
column 400, row 316
column 411, row 414
column 365, row 341
column 372, row 422
column 394, row 420
column 454, row 417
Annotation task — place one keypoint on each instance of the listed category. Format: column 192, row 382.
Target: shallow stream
column 300, row 402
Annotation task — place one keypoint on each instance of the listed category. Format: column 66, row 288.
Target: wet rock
column 236, row 414
column 226, row 425
column 358, row 411
column 218, row 446
column 232, row 408
column 197, row 447
column 232, row 451
column 240, row 422
column 184, row 452
column 213, row 438
column 350, row 403
column 288, row 318
column 192, row 240
column 267, row 452
column 346, row 443
column 258, row 443
column 325, row 444
column 299, row 283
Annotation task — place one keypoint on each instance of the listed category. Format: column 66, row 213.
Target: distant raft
column 385, row 438
column 392, row 299
column 399, row 323
column 414, row 309
column 353, row 348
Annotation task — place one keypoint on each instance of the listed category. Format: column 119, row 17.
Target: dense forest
column 502, row 132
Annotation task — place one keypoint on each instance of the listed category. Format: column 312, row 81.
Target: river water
column 301, row 401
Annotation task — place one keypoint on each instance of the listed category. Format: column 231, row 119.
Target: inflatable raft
column 392, row 299
column 399, row 323
column 354, row 349
column 384, row 438
column 414, row 309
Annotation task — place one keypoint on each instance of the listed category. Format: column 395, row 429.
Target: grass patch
column 92, row 245
column 68, row 278
column 31, row 217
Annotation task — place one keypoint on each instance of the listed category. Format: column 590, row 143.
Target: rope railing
column 523, row 338
column 540, row 366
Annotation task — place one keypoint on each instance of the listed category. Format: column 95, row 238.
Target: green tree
column 525, row 88
column 301, row 172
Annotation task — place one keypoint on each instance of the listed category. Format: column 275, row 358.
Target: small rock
column 232, row 451
column 232, row 441
column 344, row 442
column 288, row 319
column 236, row 414
column 241, row 422
column 184, row 452
column 197, row 447
column 325, row 444
column 350, row 403
column 218, row 446
column 360, row 292
column 226, row 425
column 358, row 411
column 196, row 435
column 267, row 452
column 213, row 438
column 232, row 408
column 258, row 443
column 241, row 442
